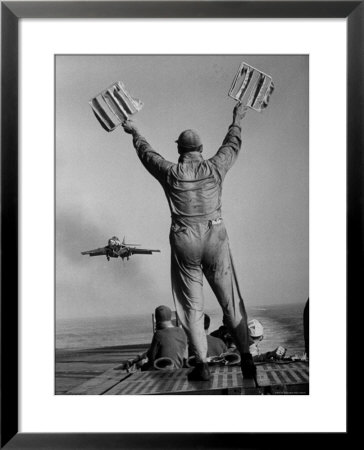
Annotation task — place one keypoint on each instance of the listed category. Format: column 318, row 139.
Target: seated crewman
column 256, row 335
column 215, row 346
column 168, row 341
column 223, row 334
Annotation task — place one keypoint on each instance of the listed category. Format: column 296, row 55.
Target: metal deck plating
column 272, row 378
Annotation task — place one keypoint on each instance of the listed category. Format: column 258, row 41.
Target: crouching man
column 168, row 341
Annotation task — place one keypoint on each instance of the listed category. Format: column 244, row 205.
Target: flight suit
column 198, row 238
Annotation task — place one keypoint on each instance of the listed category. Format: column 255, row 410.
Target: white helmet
column 255, row 328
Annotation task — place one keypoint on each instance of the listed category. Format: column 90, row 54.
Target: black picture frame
column 11, row 13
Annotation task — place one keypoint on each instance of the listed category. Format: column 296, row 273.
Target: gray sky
column 103, row 190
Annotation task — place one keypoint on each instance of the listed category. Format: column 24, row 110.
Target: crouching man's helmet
column 189, row 141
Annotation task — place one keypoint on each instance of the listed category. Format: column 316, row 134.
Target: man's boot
column 247, row 366
column 200, row 372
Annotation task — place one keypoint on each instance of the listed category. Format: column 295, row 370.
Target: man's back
column 169, row 342
column 193, row 187
column 215, row 346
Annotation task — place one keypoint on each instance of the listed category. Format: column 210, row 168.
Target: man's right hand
column 129, row 127
column 239, row 112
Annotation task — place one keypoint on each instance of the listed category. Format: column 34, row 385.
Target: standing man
column 198, row 238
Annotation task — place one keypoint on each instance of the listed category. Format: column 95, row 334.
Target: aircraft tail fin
column 129, row 245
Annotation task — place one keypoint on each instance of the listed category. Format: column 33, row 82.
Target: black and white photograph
column 181, row 224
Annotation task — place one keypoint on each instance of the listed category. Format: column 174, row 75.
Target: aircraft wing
column 96, row 252
column 142, row 251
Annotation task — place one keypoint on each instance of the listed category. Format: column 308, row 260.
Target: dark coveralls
column 198, row 238
column 169, row 342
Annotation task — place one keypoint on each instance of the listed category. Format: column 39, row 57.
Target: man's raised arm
column 152, row 161
column 229, row 150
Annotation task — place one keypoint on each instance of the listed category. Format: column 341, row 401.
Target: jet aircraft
column 116, row 249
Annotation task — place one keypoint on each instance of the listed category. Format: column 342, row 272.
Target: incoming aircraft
column 116, row 249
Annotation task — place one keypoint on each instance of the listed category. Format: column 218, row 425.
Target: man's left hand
column 239, row 112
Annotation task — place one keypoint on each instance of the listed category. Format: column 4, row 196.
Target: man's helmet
column 189, row 140
column 255, row 328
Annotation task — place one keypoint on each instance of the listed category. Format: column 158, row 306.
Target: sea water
column 283, row 325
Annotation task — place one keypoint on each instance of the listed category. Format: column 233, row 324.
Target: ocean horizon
column 283, row 325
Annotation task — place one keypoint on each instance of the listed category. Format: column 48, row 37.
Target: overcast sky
column 102, row 189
